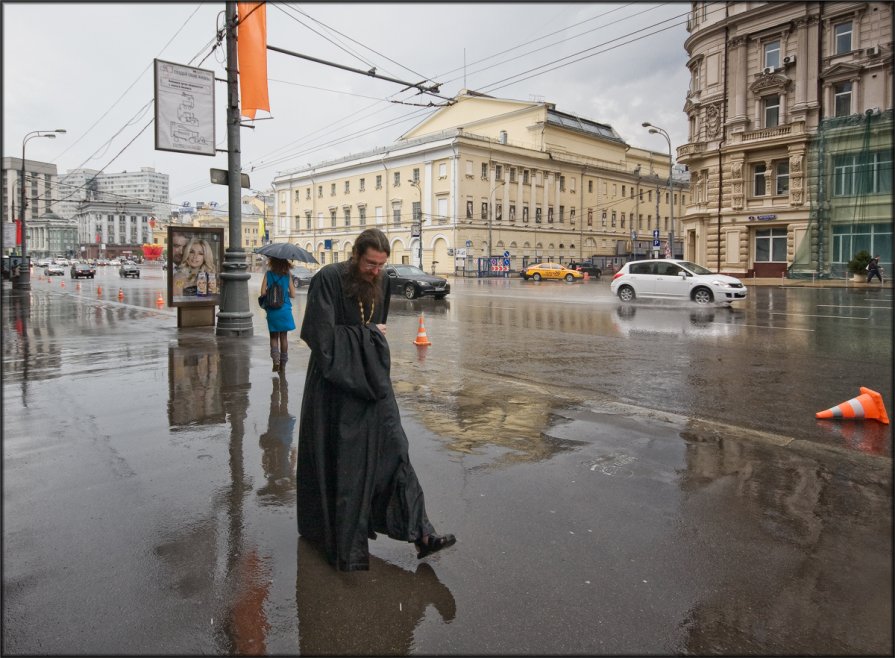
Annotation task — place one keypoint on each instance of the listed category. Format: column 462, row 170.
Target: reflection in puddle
column 371, row 612
column 279, row 454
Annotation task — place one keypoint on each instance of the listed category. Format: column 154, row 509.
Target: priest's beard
column 358, row 287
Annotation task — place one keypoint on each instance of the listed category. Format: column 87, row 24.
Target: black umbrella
column 286, row 251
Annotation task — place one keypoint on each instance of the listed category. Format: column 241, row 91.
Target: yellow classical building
column 481, row 178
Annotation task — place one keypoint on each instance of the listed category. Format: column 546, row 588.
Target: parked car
column 412, row 282
column 551, row 271
column 667, row 278
column 79, row 270
column 129, row 270
column 301, row 276
column 54, row 270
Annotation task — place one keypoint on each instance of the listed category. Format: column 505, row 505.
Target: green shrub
column 858, row 264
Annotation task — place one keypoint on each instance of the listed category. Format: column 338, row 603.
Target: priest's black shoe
column 435, row 544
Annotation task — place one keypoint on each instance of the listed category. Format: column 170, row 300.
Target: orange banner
column 251, row 38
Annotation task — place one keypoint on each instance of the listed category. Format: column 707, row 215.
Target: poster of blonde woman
column 194, row 266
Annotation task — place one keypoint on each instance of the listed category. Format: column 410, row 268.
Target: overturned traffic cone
column 421, row 337
column 120, row 293
column 159, row 301
column 868, row 406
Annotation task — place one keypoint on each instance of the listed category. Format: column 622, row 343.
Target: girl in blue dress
column 280, row 320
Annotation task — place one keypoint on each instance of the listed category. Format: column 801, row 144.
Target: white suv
column 674, row 279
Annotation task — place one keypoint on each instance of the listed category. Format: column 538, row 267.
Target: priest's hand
column 382, row 328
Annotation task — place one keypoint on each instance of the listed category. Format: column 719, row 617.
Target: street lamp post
column 23, row 280
column 418, row 221
column 656, row 130
column 491, row 212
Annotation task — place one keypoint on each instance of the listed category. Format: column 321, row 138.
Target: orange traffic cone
column 120, row 294
column 159, row 301
column 99, row 291
column 869, row 405
column 421, row 337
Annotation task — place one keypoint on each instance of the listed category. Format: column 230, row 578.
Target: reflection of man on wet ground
column 354, row 474
column 372, row 613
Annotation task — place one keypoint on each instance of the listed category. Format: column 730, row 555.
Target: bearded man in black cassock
column 354, row 477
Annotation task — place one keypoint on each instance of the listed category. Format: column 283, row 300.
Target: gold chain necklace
column 363, row 319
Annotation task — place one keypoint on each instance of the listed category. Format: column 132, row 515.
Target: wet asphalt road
column 646, row 480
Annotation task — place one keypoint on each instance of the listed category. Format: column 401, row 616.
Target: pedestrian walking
column 354, row 477
column 279, row 320
column 873, row 270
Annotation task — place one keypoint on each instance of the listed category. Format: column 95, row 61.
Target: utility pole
column 234, row 318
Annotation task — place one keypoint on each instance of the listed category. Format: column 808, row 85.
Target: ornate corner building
column 790, row 136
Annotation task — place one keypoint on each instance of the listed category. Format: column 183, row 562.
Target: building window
column 550, row 215
column 416, row 175
column 562, row 183
column 842, row 33
column 469, row 167
column 852, row 176
column 484, row 171
column 363, row 184
column 397, row 181
column 770, row 245
column 499, row 171
column 640, row 221
column 603, row 218
column 613, row 219
column 498, row 211
column 512, row 174
column 484, row 210
column 562, row 214
column 320, row 191
column 332, row 218
column 442, row 170
column 537, row 215
column 347, row 187
column 332, row 189
column 590, row 187
column 772, row 55
column 308, row 221
column 781, row 177
column 573, row 183
column 308, row 194
column 649, row 196
column 525, row 211
column 758, row 173
column 396, row 215
column 347, row 216
column 525, row 177
column 624, row 190
column 572, row 216
column 379, row 182
column 771, row 111
column 842, row 99
column 417, row 212
column 623, row 220
column 512, row 212
column 362, row 215
column 590, row 217
column 468, row 209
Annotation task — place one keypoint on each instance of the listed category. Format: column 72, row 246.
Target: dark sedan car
column 79, row 270
column 301, row 276
column 412, row 282
column 129, row 270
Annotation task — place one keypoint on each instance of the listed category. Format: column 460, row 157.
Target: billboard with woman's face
column 195, row 257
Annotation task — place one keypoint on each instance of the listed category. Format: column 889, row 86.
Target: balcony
column 766, row 133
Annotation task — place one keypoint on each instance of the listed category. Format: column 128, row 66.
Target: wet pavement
column 605, row 497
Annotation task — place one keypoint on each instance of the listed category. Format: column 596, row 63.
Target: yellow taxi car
column 551, row 271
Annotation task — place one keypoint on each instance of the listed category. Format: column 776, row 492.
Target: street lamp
column 491, row 215
column 656, row 130
column 23, row 281
column 418, row 221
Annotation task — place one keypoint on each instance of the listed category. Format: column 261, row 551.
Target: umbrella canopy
column 286, row 251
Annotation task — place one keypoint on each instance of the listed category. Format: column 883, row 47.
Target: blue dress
column 280, row 319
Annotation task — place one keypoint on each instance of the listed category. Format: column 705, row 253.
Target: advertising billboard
column 195, row 257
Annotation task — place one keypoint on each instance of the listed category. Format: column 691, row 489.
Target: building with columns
column 481, row 177
column 790, row 136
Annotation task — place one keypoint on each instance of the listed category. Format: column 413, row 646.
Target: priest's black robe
column 354, row 476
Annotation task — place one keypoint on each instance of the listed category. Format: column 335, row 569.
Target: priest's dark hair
column 355, row 285
column 371, row 237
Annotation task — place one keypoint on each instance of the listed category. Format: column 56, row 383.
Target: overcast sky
column 88, row 68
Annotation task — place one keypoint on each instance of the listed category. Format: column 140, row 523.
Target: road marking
column 882, row 308
column 764, row 326
column 806, row 315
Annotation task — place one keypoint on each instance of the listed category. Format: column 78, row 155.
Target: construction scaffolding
column 849, row 175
